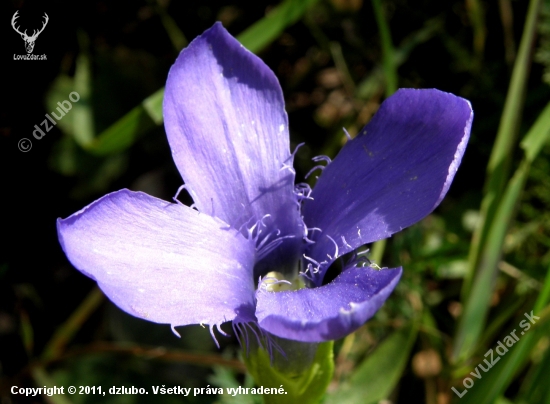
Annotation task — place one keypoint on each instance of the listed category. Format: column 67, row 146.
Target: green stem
column 390, row 69
column 69, row 328
column 498, row 168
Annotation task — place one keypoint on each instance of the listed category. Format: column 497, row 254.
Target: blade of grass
column 544, row 296
column 497, row 207
column 69, row 328
column 82, row 115
column 149, row 353
column 390, row 74
column 537, row 136
column 506, row 18
column 492, row 330
column 476, row 15
column 42, row 379
column 124, row 132
column 476, row 306
column 496, row 380
column 535, row 388
column 262, row 33
column 388, row 58
column 178, row 39
column 472, row 322
column 27, row 332
column 499, row 378
column 499, row 163
column 378, row 374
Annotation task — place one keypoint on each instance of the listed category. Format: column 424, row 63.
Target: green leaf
column 479, row 280
column 472, row 322
column 503, row 400
column 124, row 132
column 178, row 39
column 536, row 386
column 377, row 376
column 301, row 385
column 537, row 136
column 79, row 122
column 495, row 382
column 262, row 33
column 498, row 168
column 498, row 204
column 27, row 332
column 225, row 378
column 43, row 379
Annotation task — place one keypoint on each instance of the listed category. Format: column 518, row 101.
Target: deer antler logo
column 29, row 40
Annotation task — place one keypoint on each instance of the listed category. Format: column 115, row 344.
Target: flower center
column 275, row 282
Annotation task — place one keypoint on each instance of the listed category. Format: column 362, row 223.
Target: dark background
column 130, row 54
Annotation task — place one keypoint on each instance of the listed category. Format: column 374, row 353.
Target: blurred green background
column 471, row 269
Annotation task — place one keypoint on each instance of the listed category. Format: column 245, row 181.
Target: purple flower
column 228, row 132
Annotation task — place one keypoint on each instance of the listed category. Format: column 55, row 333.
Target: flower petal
column 161, row 261
column 228, row 130
column 330, row 311
column 394, row 173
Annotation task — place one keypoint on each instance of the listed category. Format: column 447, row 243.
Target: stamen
column 313, row 169
column 335, row 245
column 222, row 332
column 307, row 240
column 256, row 226
column 322, row 157
column 288, row 164
column 263, row 339
column 347, row 134
column 175, row 197
column 359, row 258
column 317, row 159
column 306, row 275
column 244, row 225
column 262, row 219
column 251, row 231
column 271, row 246
column 288, row 167
column 303, row 191
column 306, row 233
column 213, row 335
column 268, row 282
column 345, row 242
column 311, row 260
column 317, row 267
column 295, row 151
column 173, row 328
column 259, row 246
